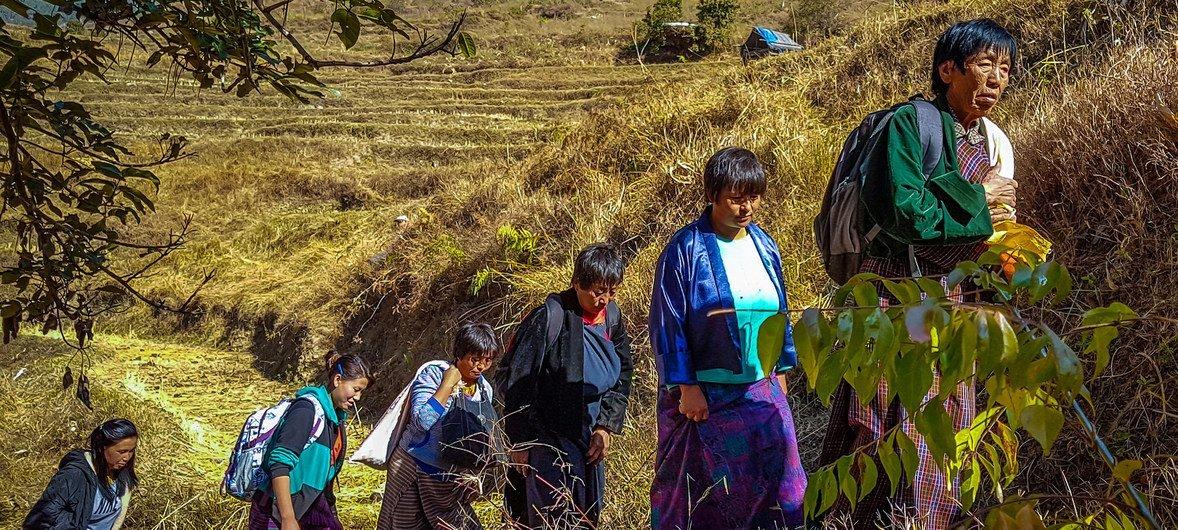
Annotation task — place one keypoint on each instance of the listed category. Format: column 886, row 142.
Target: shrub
column 650, row 30
column 715, row 19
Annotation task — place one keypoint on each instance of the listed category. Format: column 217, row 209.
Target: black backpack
column 840, row 229
column 613, row 318
column 467, row 432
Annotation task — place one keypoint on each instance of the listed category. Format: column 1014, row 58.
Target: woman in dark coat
column 566, row 384
column 92, row 487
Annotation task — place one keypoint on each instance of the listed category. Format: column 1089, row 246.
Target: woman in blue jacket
column 424, row 491
column 727, row 454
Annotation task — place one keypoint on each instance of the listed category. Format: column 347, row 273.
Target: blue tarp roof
column 777, row 39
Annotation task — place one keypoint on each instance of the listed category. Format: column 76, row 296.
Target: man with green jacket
column 928, row 224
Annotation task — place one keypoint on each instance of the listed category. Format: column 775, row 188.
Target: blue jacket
column 689, row 282
column 422, row 436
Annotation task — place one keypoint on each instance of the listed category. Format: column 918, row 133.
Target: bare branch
column 427, row 46
column 281, row 4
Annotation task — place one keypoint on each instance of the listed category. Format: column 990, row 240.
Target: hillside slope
column 296, row 207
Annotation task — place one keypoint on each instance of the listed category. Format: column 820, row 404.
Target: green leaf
column 848, row 486
column 1125, row 469
column 883, row 334
column 1115, row 312
column 1006, row 339
column 813, row 486
column 957, row 357
column 971, row 479
column 933, row 288
column 909, row 456
column 855, row 350
column 20, row 60
column 868, row 477
column 1008, row 442
column 1028, row 519
column 1070, row 377
column 906, row 291
column 829, row 375
column 812, row 340
column 865, row 382
column 998, row 520
column 770, row 339
column 1101, row 338
column 1043, row 423
column 964, row 270
column 466, row 45
column 890, row 463
column 914, row 377
column 865, row 295
column 349, row 31
column 1098, row 344
column 830, row 491
column 993, row 466
column 937, row 427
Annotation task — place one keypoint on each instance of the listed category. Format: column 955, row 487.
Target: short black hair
column 476, row 338
column 734, row 168
column 110, row 433
column 966, row 39
column 599, row 263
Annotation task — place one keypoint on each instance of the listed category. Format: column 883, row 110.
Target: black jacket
column 543, row 391
column 68, row 500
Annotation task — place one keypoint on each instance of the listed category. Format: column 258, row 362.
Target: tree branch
column 426, row 47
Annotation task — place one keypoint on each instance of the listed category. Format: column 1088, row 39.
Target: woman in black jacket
column 92, row 488
column 565, row 386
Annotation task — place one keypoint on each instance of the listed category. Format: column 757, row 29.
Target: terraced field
column 294, row 204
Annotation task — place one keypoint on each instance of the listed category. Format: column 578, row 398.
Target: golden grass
column 300, row 270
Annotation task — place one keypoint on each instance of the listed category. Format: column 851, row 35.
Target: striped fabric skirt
column 853, row 425
column 416, row 500
column 740, row 468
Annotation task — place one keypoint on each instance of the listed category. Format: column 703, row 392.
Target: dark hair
column 734, row 168
column 966, row 39
column 348, row 366
column 599, row 263
column 110, row 433
column 476, row 337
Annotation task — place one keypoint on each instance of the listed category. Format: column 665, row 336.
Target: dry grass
column 295, row 203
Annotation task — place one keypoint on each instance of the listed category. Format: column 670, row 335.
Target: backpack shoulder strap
column 613, row 318
column 320, row 420
column 555, row 319
column 932, row 133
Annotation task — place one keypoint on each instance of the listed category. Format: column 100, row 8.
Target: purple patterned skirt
column 740, row 468
column 320, row 516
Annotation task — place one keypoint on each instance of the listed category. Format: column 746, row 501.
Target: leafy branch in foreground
column 1030, row 375
column 73, row 191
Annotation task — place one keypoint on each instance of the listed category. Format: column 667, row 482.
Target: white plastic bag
column 375, row 450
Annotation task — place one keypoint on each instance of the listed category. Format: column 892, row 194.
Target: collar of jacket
column 707, row 234
column 319, row 392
